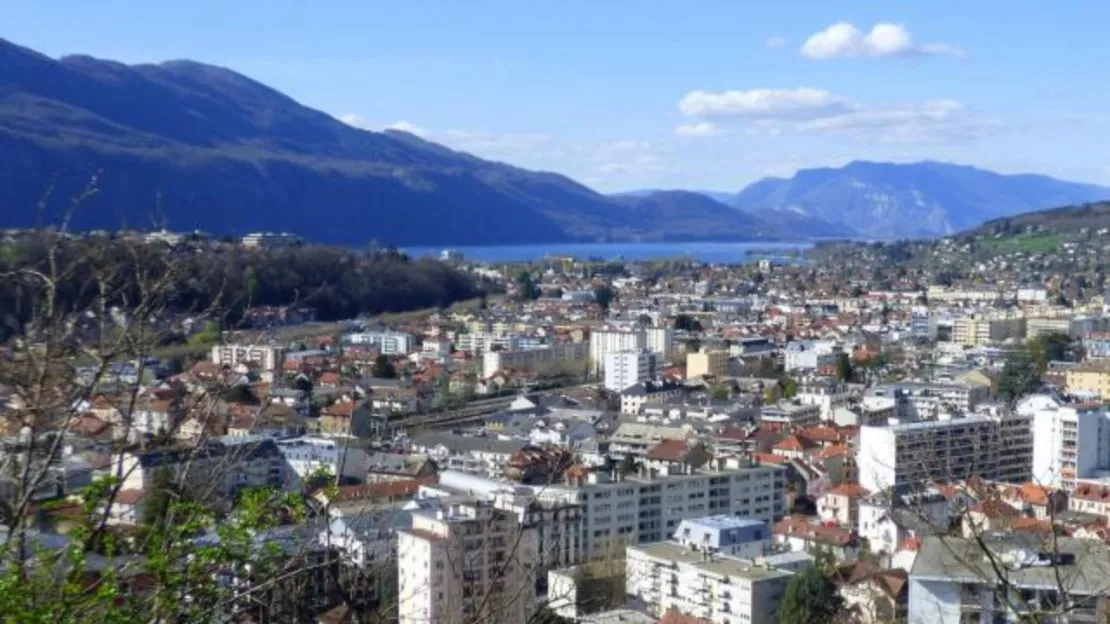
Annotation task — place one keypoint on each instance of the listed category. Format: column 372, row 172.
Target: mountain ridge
column 195, row 146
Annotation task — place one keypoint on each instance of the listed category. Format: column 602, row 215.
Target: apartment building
column 922, row 401
column 387, row 342
column 635, row 397
column 660, row 341
column 564, row 358
column 603, row 342
column 1091, row 378
column 954, row 581
column 624, row 369
column 725, row 535
column 714, row 588
column 912, row 454
column 1074, row 327
column 826, row 394
column 714, row 362
column 465, row 562
column 976, row 330
column 222, row 467
column 482, row 342
column 307, row 455
column 805, row 355
column 792, row 413
column 1070, row 442
column 648, row 506
column 268, row 358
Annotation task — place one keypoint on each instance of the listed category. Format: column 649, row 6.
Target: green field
column 1040, row 242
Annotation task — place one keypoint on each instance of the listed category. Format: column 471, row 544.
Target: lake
column 720, row 253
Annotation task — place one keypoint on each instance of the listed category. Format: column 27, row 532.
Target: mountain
column 886, row 200
column 1068, row 219
column 193, row 146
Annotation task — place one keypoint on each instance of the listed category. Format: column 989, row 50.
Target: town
column 879, row 432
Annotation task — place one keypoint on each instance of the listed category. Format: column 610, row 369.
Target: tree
column 1020, row 375
column 810, row 598
column 685, row 322
column 604, row 296
column 844, row 367
column 1050, row 347
column 527, row 290
column 240, row 393
column 721, row 391
column 789, row 386
column 383, row 368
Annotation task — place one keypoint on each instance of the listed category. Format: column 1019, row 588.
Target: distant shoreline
column 706, row 251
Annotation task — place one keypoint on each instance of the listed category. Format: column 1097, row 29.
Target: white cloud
column 405, row 126
column 354, row 120
column 775, row 111
column 776, row 42
column 844, row 40
column 357, row 121
column 802, row 102
column 704, row 128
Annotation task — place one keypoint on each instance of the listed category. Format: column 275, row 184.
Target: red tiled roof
column 668, row 450
column 852, row 490
column 795, row 443
column 388, row 489
column 801, row 526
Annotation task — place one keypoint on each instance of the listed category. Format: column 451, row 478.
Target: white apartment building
column 952, row 583
column 660, row 341
column 568, row 357
column 977, row 330
column 481, row 342
column 268, row 358
column 717, row 588
column 387, row 342
column 923, row 401
column 1070, row 442
column 624, row 369
column 465, row 562
column 913, row 454
column 608, row 341
column 809, row 355
column 340, row 457
column 825, row 394
column 649, row 506
column 723, row 534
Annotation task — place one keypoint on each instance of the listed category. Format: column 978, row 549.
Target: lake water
column 721, row 253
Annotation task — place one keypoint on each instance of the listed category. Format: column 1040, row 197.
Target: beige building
column 1093, row 377
column 465, row 562
column 976, row 330
column 707, row 362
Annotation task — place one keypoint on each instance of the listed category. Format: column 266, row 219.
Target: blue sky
column 624, row 95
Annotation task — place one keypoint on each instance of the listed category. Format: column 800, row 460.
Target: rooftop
column 717, row 565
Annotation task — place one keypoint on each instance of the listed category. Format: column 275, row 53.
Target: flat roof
column 724, row 521
column 719, row 565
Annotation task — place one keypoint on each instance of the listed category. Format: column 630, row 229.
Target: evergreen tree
column 810, row 598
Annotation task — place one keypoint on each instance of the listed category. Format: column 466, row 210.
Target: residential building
column 624, row 369
column 712, row 362
column 955, row 580
column 826, row 393
column 660, row 341
column 923, row 401
column 465, row 562
column 475, row 455
column 637, row 439
column 714, row 588
column 807, row 355
column 221, row 466
column 607, row 341
column 339, row 457
column 1089, row 378
column 634, row 397
column 565, row 358
column 978, row 330
column 723, row 534
column 268, row 358
column 482, row 342
column 910, row 454
column 793, row 413
column 387, row 342
column 1070, row 442
column 649, row 506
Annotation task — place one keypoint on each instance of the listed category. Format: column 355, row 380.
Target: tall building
column 976, row 330
column 624, row 369
column 1069, row 442
column 660, row 341
column 387, row 342
column 465, row 562
column 709, row 587
column 648, row 506
column 913, row 454
column 712, row 362
column 608, row 341
column 266, row 357
column 566, row 358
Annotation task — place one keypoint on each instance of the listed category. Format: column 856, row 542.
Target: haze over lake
column 706, row 252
